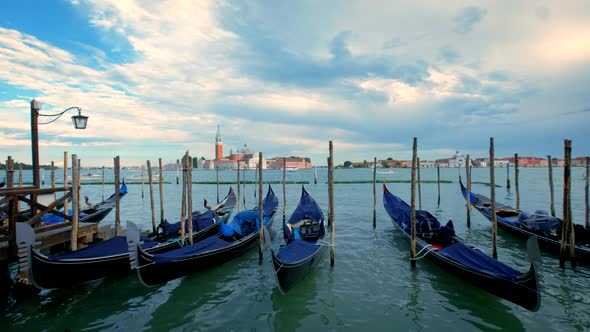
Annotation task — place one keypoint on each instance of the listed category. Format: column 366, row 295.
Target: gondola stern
column 133, row 244
column 25, row 237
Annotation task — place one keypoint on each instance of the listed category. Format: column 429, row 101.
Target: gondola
column 93, row 214
column 233, row 240
column 3, row 183
column 108, row 257
column 304, row 234
column 539, row 223
column 441, row 245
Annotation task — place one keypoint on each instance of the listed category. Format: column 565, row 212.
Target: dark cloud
column 468, row 17
column 269, row 59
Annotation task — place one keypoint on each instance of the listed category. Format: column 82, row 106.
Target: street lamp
column 79, row 122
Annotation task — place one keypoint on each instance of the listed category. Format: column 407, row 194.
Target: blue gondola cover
column 297, row 250
column 478, row 261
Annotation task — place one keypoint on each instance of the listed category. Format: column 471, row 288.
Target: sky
column 286, row 77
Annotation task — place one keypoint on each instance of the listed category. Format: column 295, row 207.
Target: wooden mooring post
column 151, row 189
column 493, row 199
column 102, row 178
column 260, row 208
column 374, row 192
column 331, row 201
column 189, row 193
column 142, row 181
column 567, row 222
column 419, row 184
column 468, row 179
column 244, row 185
column 413, row 204
column 183, row 203
column 315, row 175
column 117, row 162
column 508, row 175
column 75, row 202
column 52, row 174
column 161, row 188
column 217, row 180
column 284, row 188
column 550, row 164
column 66, row 210
column 516, row 176
column 238, row 185
column 438, row 184
column 177, row 162
column 587, row 215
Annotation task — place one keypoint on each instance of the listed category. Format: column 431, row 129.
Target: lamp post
column 79, row 122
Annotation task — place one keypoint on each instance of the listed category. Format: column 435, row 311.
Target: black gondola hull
column 152, row 274
column 49, row 274
column 288, row 275
column 546, row 243
column 524, row 292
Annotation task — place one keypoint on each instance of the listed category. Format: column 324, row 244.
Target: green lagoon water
column 371, row 286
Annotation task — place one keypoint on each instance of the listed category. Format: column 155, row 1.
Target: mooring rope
column 428, row 247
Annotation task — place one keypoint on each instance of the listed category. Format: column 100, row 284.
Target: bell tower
column 218, row 145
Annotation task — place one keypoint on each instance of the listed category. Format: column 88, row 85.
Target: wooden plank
column 26, row 190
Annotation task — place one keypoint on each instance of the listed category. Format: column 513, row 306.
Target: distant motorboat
column 386, row 172
column 291, row 169
column 88, row 177
column 143, row 177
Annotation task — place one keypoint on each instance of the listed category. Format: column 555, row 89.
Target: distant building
column 579, row 162
column 290, row 163
column 218, row 145
column 427, row 164
column 442, row 162
column 252, row 161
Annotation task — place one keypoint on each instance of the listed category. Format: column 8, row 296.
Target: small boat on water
column 440, row 244
column 93, row 214
column 143, row 178
column 3, row 183
column 88, row 177
column 233, row 240
column 304, row 234
column 108, row 257
column 291, row 169
column 540, row 224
